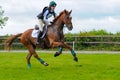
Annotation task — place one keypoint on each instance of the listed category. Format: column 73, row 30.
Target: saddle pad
column 35, row 33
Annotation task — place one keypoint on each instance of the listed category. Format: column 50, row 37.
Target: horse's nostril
column 71, row 28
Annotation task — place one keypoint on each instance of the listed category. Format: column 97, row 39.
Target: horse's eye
column 67, row 17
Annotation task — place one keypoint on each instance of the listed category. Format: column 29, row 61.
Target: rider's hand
column 51, row 22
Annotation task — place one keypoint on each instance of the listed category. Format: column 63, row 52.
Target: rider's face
column 53, row 7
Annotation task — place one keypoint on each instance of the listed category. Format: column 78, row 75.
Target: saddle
column 40, row 36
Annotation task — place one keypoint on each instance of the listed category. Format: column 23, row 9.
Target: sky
column 86, row 14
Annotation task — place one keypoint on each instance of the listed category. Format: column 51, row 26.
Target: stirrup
column 37, row 43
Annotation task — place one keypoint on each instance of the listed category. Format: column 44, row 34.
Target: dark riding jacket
column 46, row 13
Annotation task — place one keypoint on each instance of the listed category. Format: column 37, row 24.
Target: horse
column 54, row 38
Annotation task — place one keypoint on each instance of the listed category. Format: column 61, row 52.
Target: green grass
column 90, row 67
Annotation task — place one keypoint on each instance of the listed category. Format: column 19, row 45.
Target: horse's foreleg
column 59, row 52
column 62, row 44
column 72, row 51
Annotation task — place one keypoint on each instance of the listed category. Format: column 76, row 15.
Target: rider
column 43, row 18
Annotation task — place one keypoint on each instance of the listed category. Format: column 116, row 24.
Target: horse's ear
column 70, row 12
column 65, row 11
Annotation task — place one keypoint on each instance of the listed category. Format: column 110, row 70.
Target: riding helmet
column 52, row 3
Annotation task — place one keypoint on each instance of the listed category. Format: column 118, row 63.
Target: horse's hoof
column 45, row 64
column 76, row 59
column 29, row 66
column 56, row 54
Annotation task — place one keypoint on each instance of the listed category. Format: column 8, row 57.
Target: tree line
column 3, row 18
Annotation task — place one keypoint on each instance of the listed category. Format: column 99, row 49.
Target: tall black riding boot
column 44, row 31
column 38, row 38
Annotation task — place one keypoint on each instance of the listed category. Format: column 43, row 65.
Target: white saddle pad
column 35, row 33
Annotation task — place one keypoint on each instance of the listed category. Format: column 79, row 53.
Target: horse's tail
column 10, row 40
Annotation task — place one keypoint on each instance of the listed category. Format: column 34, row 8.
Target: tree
column 3, row 19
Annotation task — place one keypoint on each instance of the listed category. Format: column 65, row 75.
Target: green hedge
column 80, row 38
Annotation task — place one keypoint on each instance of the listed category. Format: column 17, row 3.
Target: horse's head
column 67, row 19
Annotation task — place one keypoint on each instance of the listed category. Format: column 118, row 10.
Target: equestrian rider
column 43, row 18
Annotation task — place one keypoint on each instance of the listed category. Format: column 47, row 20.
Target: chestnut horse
column 53, row 38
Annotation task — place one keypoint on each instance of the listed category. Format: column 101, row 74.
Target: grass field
column 90, row 67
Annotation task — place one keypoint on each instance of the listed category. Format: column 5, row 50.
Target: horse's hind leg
column 30, row 48
column 28, row 60
column 32, row 52
column 39, row 59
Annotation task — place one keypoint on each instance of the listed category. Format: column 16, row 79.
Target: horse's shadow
column 79, row 65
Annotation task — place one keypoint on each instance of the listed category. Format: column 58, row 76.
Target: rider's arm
column 45, row 16
column 55, row 15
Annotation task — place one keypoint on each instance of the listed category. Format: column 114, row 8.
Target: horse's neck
column 59, row 25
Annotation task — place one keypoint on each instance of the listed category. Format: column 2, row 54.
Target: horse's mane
column 55, row 19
